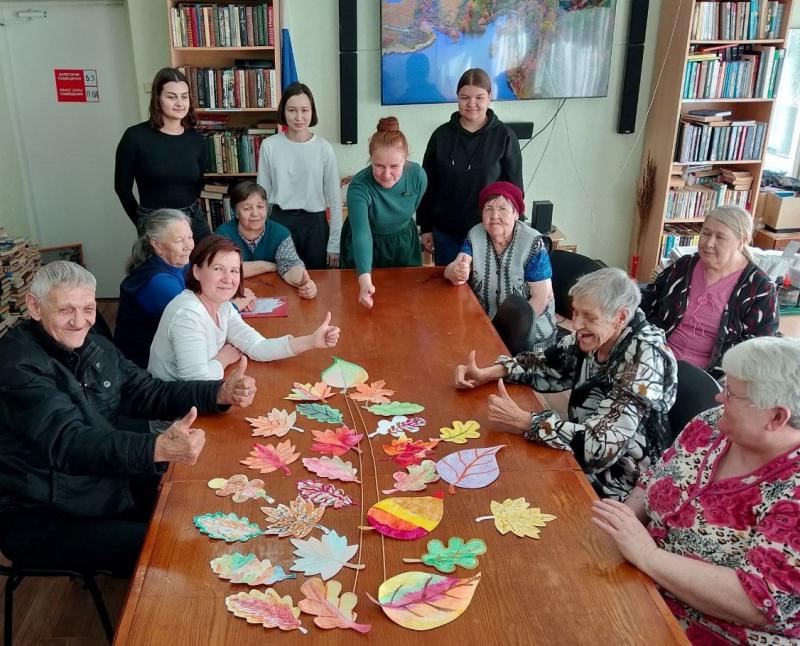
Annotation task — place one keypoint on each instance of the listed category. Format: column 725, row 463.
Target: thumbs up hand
column 238, row 389
column 471, row 376
column 504, row 412
column 326, row 335
column 457, row 272
column 180, row 442
column 307, row 287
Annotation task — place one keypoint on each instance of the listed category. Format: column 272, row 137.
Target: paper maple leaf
column 406, row 451
column 323, row 493
column 518, row 517
column 336, row 442
column 325, row 556
column 460, row 433
column 267, row 608
column 375, row 393
column 298, row 519
column 331, row 610
column 416, row 478
column 277, row 422
column 334, row 468
column 320, row 391
column 267, row 458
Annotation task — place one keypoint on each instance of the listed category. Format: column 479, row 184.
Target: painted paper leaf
column 375, row 393
column 457, row 552
column 460, row 433
column 470, row 468
column 331, row 610
column 415, row 478
column 518, row 517
column 277, row 422
column 324, row 494
column 240, row 488
column 267, row 458
column 267, row 608
column 395, row 408
column 228, row 527
column 422, row 601
column 406, row 518
column 324, row 556
column 320, row 391
column 333, row 468
column 397, row 425
column 343, row 374
column 336, row 442
column 321, row 413
column 405, row 451
column 248, row 569
column 297, row 519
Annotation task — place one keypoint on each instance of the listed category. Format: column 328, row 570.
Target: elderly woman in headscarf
column 716, row 521
column 502, row 256
column 712, row 300
column 623, row 379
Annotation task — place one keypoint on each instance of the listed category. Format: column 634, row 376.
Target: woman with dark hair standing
column 298, row 170
column 472, row 150
column 164, row 156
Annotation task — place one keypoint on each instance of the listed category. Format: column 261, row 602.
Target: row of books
column 720, row 140
column 19, row 260
column 697, row 201
column 213, row 25
column 679, row 236
column 231, row 88
column 740, row 20
column 753, row 74
column 216, row 204
column 234, row 152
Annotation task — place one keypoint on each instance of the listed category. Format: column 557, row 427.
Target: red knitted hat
column 508, row 190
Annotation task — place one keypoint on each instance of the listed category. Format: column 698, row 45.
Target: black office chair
column 567, row 268
column 513, row 322
column 696, row 392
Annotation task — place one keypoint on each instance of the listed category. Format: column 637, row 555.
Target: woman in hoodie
column 472, row 150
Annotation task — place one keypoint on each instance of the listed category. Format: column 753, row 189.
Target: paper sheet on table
column 274, row 306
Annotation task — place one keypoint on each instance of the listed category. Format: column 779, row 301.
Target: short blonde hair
column 739, row 221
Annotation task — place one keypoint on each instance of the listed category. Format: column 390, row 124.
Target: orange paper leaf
column 277, row 423
column 267, row 608
column 374, row 393
column 297, row 519
column 320, row 391
column 331, row 610
column 267, row 458
column 336, row 442
column 406, row 451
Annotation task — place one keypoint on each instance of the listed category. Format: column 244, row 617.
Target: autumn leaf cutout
column 331, row 610
column 457, row 553
column 336, row 442
column 405, row 451
column 228, row 527
column 240, row 488
column 321, row 413
column 470, row 468
column 267, row 608
column 518, row 517
column 324, row 556
column 399, row 424
column 320, row 391
column 324, row 494
column 276, row 422
column 267, row 458
column 343, row 374
column 460, row 432
column 333, row 468
column 248, row 569
column 375, row 393
column 297, row 519
column 415, row 478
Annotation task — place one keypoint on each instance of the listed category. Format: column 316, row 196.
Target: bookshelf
column 719, row 56
column 230, row 53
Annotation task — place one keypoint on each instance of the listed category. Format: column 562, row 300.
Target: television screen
column 532, row 49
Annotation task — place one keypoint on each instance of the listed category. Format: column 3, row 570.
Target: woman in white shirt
column 201, row 332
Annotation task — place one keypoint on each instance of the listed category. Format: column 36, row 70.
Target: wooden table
column 570, row 587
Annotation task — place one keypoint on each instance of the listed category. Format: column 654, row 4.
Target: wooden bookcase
column 664, row 123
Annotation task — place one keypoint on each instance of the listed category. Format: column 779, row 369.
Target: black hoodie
column 459, row 164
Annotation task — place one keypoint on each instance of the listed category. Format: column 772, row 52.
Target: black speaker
column 542, row 216
column 348, row 26
column 523, row 129
column 629, row 100
column 348, row 98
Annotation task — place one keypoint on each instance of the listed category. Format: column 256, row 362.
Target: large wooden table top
column 570, row 587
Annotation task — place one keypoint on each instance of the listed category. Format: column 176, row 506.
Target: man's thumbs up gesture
column 180, row 442
column 238, row 389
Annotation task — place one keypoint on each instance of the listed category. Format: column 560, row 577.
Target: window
column 783, row 148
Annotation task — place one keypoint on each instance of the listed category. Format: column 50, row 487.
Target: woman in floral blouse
column 716, row 521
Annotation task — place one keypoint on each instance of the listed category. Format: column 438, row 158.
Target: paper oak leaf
column 422, row 601
column 277, row 422
column 343, row 374
column 240, row 488
column 405, row 451
column 375, row 393
column 267, row 608
column 228, row 527
column 406, row 518
column 324, row 556
column 457, row 552
column 321, row 413
column 395, row 408
column 332, row 468
column 297, row 519
column 397, row 425
column 460, row 432
column 470, row 468
column 248, row 569
column 518, row 517
column 266, row 458
column 324, row 494
column 336, row 442
column 331, row 610
column 415, row 478
column 319, row 392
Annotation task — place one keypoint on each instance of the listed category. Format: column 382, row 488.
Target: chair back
column 696, row 393
column 567, row 268
column 513, row 322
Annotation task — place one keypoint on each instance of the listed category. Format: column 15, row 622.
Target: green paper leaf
column 343, row 374
column 457, row 552
column 321, row 413
column 395, row 408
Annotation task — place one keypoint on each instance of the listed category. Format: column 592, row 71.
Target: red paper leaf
column 336, row 442
column 267, row 458
column 324, row 494
column 406, row 451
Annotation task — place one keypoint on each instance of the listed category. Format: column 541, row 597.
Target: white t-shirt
column 188, row 339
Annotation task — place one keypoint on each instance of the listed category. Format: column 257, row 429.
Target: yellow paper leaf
column 518, row 517
column 461, row 432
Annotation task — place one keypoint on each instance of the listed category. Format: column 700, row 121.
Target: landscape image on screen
column 532, row 49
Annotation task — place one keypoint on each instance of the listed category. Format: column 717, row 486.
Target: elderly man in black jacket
column 76, row 489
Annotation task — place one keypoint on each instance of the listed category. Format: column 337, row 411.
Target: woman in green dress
column 380, row 230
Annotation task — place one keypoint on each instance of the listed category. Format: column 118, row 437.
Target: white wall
column 14, row 208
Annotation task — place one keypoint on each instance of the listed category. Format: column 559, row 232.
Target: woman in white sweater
column 201, row 332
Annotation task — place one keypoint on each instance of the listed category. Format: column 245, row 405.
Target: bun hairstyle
column 388, row 135
column 476, row 77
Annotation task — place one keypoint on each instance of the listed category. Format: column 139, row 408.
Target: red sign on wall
column 77, row 86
